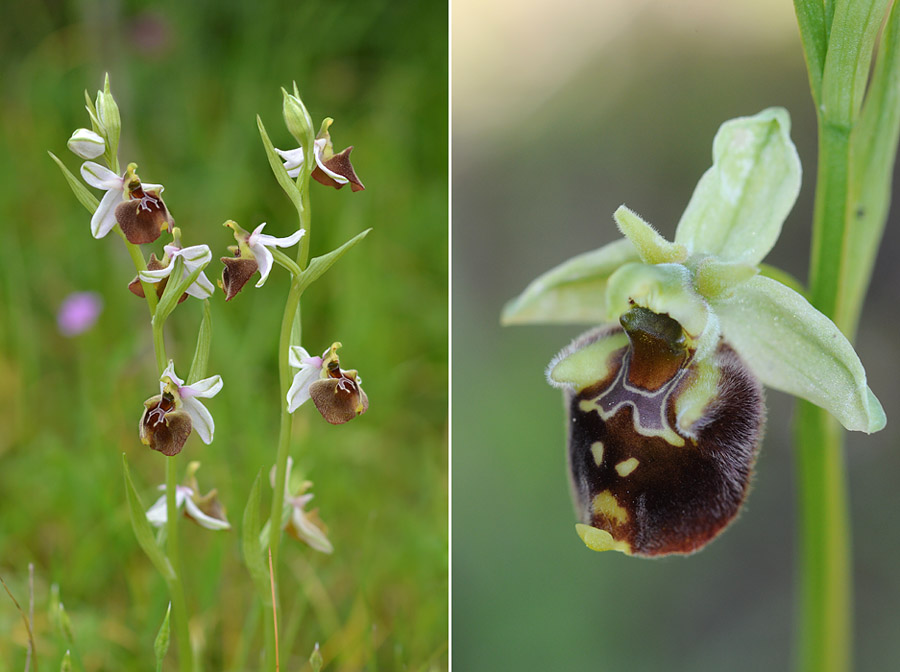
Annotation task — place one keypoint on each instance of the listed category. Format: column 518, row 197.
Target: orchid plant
column 135, row 211
column 665, row 399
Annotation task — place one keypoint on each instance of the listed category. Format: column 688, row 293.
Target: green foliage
column 190, row 80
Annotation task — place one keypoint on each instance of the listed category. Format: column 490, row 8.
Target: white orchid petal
column 171, row 375
column 310, row 533
column 101, row 177
column 204, row 520
column 157, row 275
column 201, row 288
column 263, row 261
column 104, row 217
column 201, row 420
column 294, row 173
column 156, row 514
column 206, row 388
column 147, row 186
column 195, row 256
column 299, row 392
column 337, row 177
column 272, row 241
column 296, row 355
column 293, row 158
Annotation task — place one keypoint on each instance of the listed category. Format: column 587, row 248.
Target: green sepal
column 715, row 279
column 651, row 247
column 287, row 184
column 161, row 643
column 85, row 197
column 784, row 278
column 318, row 265
column 201, row 351
column 794, row 348
column 315, row 659
column 572, row 292
column 251, row 546
column 298, row 122
column 741, row 202
column 142, row 529
column 66, row 664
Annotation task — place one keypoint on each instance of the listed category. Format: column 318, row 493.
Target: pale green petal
column 741, row 202
column 573, row 292
column 652, row 247
column 794, row 348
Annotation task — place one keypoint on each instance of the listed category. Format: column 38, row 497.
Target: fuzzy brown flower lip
column 643, row 483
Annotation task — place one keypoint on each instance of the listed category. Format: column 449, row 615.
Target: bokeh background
column 561, row 112
column 190, row 79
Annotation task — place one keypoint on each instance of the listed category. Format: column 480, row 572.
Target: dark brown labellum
column 162, row 427
column 340, row 164
column 644, row 480
column 237, row 271
column 339, row 400
column 144, row 217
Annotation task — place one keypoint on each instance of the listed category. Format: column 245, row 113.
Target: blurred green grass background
column 561, row 114
column 189, row 79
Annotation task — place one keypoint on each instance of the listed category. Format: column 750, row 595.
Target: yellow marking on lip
column 601, row 540
column 627, row 466
column 606, row 503
column 597, row 452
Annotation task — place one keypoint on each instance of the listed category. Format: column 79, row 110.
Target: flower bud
column 86, row 144
column 297, row 119
column 108, row 114
column 661, row 445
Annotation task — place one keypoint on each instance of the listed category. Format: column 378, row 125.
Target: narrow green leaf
column 741, row 202
column 290, row 188
column 251, row 546
column 321, row 264
column 794, row 348
column 85, row 197
column 201, row 351
column 161, row 644
column 813, row 34
column 143, row 531
column 847, row 63
column 573, row 292
column 873, row 148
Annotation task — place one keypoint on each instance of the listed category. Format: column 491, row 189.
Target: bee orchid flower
column 665, row 398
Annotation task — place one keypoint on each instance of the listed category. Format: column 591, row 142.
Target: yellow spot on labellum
column 607, row 504
column 600, row 540
column 597, row 452
column 627, row 466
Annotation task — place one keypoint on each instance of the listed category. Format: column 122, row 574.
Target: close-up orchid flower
column 137, row 207
column 253, row 253
column 332, row 170
column 194, row 258
column 336, row 392
column 205, row 510
column 665, row 402
column 170, row 416
column 302, row 525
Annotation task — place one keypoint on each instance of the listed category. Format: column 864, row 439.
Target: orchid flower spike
column 137, row 208
column 302, row 525
column 170, row 416
column 194, row 258
column 332, row 170
column 665, row 398
column 336, row 392
column 252, row 254
column 207, row 511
